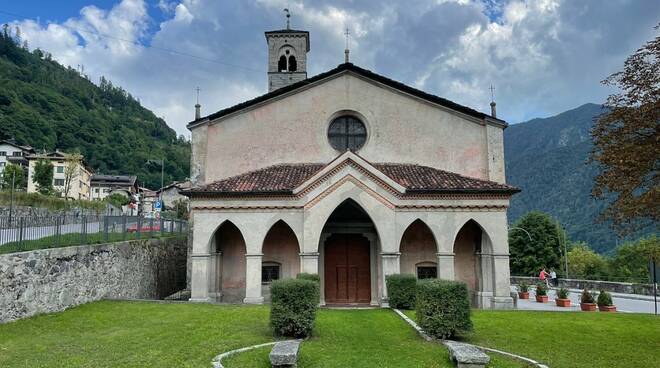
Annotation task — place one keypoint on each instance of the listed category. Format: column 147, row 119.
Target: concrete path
column 626, row 303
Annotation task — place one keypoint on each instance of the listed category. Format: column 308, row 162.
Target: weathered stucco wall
column 52, row 280
column 400, row 129
column 417, row 246
column 465, row 261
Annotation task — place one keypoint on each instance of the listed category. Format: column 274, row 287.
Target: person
column 543, row 276
column 553, row 277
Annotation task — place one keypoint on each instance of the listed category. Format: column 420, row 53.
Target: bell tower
column 287, row 56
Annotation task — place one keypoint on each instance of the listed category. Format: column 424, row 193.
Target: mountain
column 547, row 159
column 48, row 106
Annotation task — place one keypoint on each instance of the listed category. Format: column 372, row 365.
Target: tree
column 631, row 261
column 627, row 141
column 118, row 200
column 528, row 256
column 587, row 264
column 72, row 163
column 43, row 176
column 15, row 173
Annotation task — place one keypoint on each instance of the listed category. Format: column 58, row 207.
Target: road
column 626, row 303
column 38, row 232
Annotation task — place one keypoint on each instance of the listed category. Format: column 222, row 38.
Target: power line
column 157, row 48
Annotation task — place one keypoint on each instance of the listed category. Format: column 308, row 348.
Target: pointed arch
column 293, row 65
column 228, row 263
column 418, row 249
column 282, row 64
column 469, row 243
column 281, row 251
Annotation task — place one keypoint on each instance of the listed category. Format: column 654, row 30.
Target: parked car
column 146, row 228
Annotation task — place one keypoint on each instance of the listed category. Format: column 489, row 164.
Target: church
column 349, row 175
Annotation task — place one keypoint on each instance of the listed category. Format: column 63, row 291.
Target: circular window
column 347, row 133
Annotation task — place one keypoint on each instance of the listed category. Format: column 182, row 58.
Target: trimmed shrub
column 308, row 276
column 562, row 293
column 604, row 299
column 443, row 308
column 401, row 289
column 586, row 297
column 293, row 307
column 523, row 287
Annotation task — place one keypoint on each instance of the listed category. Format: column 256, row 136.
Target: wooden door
column 347, row 271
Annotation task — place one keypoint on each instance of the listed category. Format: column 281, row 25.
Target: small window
column 427, row 272
column 270, row 272
column 60, row 169
column 281, row 64
column 293, row 65
column 17, row 154
column 3, row 153
column 347, row 133
column 59, row 182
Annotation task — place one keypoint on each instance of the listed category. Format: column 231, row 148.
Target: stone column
column 446, row 265
column 501, row 280
column 309, row 262
column 484, row 294
column 253, row 279
column 200, row 278
column 391, row 262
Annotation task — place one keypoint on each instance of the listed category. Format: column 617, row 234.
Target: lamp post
column 11, row 201
column 162, row 171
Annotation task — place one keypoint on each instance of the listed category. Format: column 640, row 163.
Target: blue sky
column 542, row 56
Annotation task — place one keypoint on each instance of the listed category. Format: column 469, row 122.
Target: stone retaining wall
column 51, row 280
column 610, row 286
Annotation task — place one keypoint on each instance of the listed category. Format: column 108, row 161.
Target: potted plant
column 523, row 290
column 587, row 302
column 541, row 293
column 562, row 298
column 605, row 302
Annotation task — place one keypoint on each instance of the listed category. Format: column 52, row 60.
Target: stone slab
column 465, row 355
column 285, row 353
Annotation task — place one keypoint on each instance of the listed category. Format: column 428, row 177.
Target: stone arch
column 470, row 242
column 227, row 263
column 281, row 64
column 418, row 248
column 281, row 247
column 293, row 64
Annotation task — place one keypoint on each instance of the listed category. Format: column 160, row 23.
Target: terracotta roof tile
column 282, row 179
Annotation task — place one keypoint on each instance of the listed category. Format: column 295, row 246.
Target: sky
column 541, row 56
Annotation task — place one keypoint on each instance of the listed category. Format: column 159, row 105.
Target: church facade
column 349, row 175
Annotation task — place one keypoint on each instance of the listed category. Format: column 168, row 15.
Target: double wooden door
column 347, row 269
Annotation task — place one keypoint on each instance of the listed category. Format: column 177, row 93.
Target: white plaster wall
column 293, row 129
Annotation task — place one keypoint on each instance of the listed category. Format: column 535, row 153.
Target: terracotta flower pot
column 607, row 308
column 563, row 302
column 542, row 298
column 523, row 294
column 588, row 307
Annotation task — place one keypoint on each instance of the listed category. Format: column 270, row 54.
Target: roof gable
column 348, row 68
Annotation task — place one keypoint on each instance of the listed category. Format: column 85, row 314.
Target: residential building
column 79, row 187
column 105, row 185
column 172, row 193
column 14, row 153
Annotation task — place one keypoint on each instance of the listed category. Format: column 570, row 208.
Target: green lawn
column 67, row 240
column 570, row 339
column 150, row 334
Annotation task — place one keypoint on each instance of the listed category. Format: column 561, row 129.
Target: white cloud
column 542, row 56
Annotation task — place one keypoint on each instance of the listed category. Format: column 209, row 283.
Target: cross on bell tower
column 287, row 55
column 493, row 110
column 346, row 50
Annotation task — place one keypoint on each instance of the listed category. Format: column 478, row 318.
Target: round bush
column 293, row 307
column 401, row 289
column 604, row 299
column 308, row 276
column 443, row 308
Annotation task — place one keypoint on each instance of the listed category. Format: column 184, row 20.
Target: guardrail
column 19, row 234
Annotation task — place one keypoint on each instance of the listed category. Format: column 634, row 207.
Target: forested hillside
column 547, row 159
column 48, row 106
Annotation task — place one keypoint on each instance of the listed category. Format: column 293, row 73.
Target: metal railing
column 19, row 234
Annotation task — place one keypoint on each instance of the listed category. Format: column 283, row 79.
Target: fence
column 28, row 233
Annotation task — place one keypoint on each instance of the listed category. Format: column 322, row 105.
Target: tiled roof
column 282, row 179
column 355, row 69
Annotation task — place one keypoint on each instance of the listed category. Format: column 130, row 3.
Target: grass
column 71, row 239
column 149, row 334
column 570, row 339
column 50, row 202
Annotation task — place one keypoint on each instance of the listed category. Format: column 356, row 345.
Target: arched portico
column 281, row 255
column 419, row 251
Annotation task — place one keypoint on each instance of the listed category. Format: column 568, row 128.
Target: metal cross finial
column 492, row 93
column 197, row 90
column 347, row 33
column 288, row 15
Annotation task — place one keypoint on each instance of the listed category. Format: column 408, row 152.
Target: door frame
column 374, row 266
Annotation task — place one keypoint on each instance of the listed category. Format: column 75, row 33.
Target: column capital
column 309, row 254
column 200, row 255
column 254, row 255
column 445, row 254
column 494, row 255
